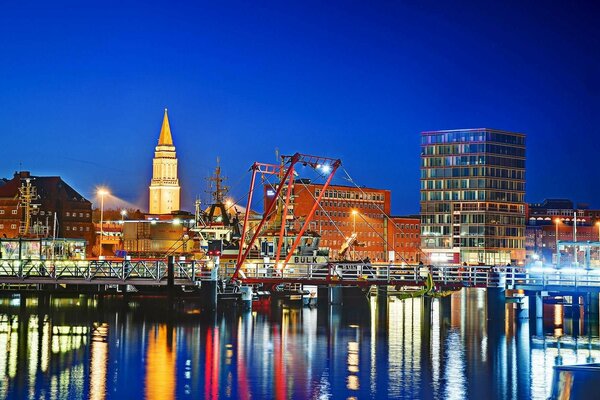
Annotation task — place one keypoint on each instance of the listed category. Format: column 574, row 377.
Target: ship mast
column 218, row 192
column 216, row 182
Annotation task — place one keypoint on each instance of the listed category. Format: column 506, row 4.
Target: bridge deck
column 154, row 273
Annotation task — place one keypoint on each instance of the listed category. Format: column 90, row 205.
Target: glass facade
column 473, row 196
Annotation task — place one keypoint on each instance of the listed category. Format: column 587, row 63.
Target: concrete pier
column 496, row 304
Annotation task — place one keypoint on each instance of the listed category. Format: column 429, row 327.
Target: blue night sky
column 83, row 86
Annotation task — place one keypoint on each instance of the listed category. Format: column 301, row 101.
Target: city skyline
column 361, row 84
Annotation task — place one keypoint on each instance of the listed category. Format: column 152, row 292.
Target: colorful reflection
column 414, row 348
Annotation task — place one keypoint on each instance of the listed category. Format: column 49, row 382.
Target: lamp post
column 575, row 237
column 123, row 214
column 556, row 222
column 102, row 192
column 354, row 212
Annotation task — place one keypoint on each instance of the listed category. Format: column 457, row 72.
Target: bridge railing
column 121, row 270
column 553, row 277
column 378, row 273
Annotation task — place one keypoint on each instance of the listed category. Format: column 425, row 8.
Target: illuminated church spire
column 165, row 138
column 164, row 187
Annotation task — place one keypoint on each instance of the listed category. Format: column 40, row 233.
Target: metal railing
column 93, row 270
column 192, row 272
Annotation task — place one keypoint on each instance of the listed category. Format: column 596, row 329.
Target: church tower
column 164, row 187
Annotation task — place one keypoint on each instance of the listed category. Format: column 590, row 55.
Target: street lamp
column 354, row 212
column 556, row 222
column 123, row 215
column 102, row 192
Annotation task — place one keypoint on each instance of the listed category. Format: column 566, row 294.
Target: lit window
column 68, row 214
column 1, row 211
column 13, row 226
column 81, row 215
column 68, row 228
column 14, row 212
column 1, row 226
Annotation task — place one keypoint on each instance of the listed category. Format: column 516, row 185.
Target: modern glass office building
column 473, row 196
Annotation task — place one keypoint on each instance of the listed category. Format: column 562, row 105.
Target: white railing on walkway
column 13, row 271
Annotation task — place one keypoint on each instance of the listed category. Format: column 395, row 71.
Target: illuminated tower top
column 164, row 187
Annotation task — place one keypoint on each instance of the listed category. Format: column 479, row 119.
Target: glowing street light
column 102, row 192
column 354, row 212
column 123, row 215
column 557, row 222
column 326, row 168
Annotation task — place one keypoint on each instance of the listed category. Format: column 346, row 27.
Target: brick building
column 404, row 238
column 55, row 197
column 552, row 216
column 345, row 209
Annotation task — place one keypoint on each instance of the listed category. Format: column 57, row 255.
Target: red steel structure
column 286, row 179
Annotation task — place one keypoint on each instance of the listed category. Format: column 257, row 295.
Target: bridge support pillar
column 427, row 303
column 382, row 292
column 536, row 306
column 208, row 293
column 334, row 295
column 496, row 303
column 593, row 305
column 446, row 309
column 575, row 315
column 522, row 308
column 246, row 297
column 171, row 275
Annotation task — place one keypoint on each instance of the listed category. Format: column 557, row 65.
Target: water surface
column 111, row 349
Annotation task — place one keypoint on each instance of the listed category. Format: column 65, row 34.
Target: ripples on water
column 447, row 349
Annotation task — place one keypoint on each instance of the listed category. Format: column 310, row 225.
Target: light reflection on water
column 447, row 349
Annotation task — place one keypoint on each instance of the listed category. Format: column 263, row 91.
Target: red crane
column 285, row 172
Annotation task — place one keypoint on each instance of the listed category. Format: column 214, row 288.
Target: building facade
column 164, row 187
column 56, row 210
column 344, row 210
column 473, row 196
column 554, row 219
column 404, row 238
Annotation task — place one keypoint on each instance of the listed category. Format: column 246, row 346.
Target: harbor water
column 114, row 348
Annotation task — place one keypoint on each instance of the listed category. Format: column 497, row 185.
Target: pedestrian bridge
column 188, row 273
